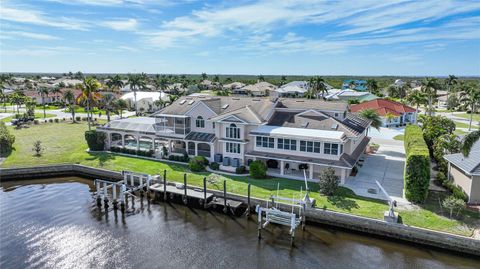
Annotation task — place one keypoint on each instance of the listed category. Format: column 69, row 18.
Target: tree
column 317, row 86
column 453, row 204
column 372, row 115
column 452, row 102
column 6, row 140
column 160, row 103
column 43, row 91
column 450, row 81
column 283, row 80
column 121, row 105
column 17, row 100
column 55, row 91
column 108, row 102
column 435, row 126
column 445, row 144
column 328, row 181
column 429, row 87
column 468, row 142
column 204, row 76
column 260, row 78
column 89, row 88
column 258, row 169
column 5, row 79
column 37, row 148
column 30, row 104
column 69, row 98
column 115, row 83
column 136, row 82
column 470, row 97
column 372, row 86
column 417, row 98
column 389, row 117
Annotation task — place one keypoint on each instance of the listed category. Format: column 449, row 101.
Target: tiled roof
column 383, row 106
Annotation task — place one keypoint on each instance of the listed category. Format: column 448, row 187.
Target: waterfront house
column 465, row 172
column 290, row 135
column 392, row 113
column 347, row 95
column 354, row 84
column 145, row 100
column 259, row 89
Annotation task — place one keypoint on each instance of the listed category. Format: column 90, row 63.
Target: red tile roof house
column 403, row 114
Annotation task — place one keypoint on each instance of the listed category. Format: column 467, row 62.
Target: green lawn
column 64, row 143
column 399, row 137
column 476, row 116
column 37, row 116
column 464, row 125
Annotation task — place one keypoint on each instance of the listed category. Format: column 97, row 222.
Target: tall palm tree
column 43, row 91
column 429, row 87
column 55, row 91
column 417, row 98
column 69, row 98
column 468, row 142
column 136, row 82
column 372, row 86
column 115, row 83
column 450, row 81
column 108, row 102
column 261, row 78
column 204, row 76
column 372, row 115
column 317, row 87
column 121, row 105
column 89, row 88
column 470, row 97
column 30, row 104
column 283, row 80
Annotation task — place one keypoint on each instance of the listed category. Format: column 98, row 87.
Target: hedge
column 95, row 140
column 258, row 169
column 198, row 163
column 417, row 165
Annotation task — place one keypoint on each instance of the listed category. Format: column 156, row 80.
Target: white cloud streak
column 121, row 25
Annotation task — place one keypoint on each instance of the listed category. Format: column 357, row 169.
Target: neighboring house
column 259, row 89
column 236, row 88
column 400, row 113
column 293, row 89
column 145, row 100
column 291, row 136
column 465, row 172
column 354, row 84
column 347, row 95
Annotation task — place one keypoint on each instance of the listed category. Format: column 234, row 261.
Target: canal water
column 56, row 224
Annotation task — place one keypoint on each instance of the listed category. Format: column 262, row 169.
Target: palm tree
column 261, row 78
column 69, row 98
column 317, row 86
column 283, row 80
column 43, row 91
column 417, row 98
column 89, row 93
column 204, row 76
column 160, row 102
column 429, row 87
column 30, row 105
column 108, row 102
column 55, row 91
column 352, row 85
column 450, row 81
column 470, row 97
column 468, row 142
column 136, row 82
column 372, row 115
column 372, row 86
column 115, row 83
column 172, row 98
column 121, row 105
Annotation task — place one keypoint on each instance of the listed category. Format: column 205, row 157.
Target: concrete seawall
column 351, row 222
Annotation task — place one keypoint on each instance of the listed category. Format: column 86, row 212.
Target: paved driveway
column 386, row 166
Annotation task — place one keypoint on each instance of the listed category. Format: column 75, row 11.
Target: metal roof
column 200, row 137
column 297, row 132
column 470, row 164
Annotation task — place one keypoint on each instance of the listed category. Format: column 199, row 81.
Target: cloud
column 121, row 25
column 30, row 16
column 31, row 35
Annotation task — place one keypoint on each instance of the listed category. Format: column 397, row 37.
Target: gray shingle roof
column 470, row 164
column 297, row 103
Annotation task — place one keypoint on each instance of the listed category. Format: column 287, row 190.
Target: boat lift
column 390, row 215
column 131, row 182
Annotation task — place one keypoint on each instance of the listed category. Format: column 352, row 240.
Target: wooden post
column 123, row 188
column 224, row 196
column 205, row 192
column 259, row 211
column 165, row 185
column 105, row 194
column 114, row 191
column 185, row 201
column 97, row 186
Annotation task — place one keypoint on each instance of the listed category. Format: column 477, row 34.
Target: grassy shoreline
column 64, row 143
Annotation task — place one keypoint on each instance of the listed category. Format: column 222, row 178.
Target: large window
column 200, row 122
column 265, row 142
column 330, row 148
column 232, row 147
column 233, row 131
column 309, row 146
column 288, row 144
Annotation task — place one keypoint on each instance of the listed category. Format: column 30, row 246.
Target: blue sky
column 365, row 37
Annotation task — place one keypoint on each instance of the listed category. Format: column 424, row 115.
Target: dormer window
column 200, row 122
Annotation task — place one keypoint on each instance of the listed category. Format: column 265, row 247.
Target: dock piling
column 165, row 185
column 205, row 192
column 248, row 199
column 123, row 188
column 114, row 193
column 185, row 200
column 105, row 195
column 225, row 196
column 97, row 187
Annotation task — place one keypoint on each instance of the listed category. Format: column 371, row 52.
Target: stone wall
column 367, row 225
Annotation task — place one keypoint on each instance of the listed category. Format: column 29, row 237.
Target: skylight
column 183, row 102
column 191, row 102
column 225, row 106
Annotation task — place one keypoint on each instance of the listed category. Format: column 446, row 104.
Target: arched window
column 200, row 122
column 233, row 131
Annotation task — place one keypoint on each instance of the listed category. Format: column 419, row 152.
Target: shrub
column 328, row 181
column 198, row 163
column 84, row 119
column 214, row 166
column 78, row 118
column 417, row 165
column 258, row 169
column 451, row 203
column 56, row 120
column 37, row 148
column 171, row 157
column 6, row 140
column 441, row 177
column 50, row 120
column 36, row 122
column 240, row 170
column 95, row 140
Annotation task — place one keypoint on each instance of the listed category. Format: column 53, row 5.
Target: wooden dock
column 191, row 193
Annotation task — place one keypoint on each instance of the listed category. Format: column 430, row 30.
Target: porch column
column 282, row 167
column 310, row 171
column 109, row 140
column 138, row 142
column 212, row 152
column 169, row 146
column 123, row 140
column 343, row 176
column 196, row 148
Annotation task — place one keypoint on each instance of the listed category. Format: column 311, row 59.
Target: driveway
column 386, row 133
column 386, row 166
